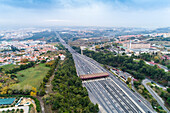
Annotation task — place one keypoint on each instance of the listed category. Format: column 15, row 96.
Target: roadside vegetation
column 156, row 57
column 139, row 70
column 69, row 95
column 145, row 93
column 60, row 46
column 53, row 64
column 164, row 94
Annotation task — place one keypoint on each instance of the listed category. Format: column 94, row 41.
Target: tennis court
column 6, row 101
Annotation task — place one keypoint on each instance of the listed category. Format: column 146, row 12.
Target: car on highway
column 139, row 100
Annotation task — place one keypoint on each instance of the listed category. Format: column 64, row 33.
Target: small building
column 62, row 57
column 137, row 45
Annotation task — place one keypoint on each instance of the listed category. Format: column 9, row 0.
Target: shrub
column 22, row 75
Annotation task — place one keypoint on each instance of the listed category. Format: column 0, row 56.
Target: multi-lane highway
column 82, row 67
column 111, row 94
column 111, row 97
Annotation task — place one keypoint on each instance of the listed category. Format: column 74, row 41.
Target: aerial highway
column 112, row 95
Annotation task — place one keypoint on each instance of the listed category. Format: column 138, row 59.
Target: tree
column 127, row 82
column 43, row 61
column 168, row 66
column 21, row 111
column 157, row 61
column 10, row 92
column 129, row 79
column 13, row 110
column 156, row 58
column 4, row 90
column 0, row 85
column 141, row 87
column 33, row 92
column 24, row 60
column 22, row 75
column 168, row 100
column 69, row 94
column 141, row 63
column 140, row 91
column 168, row 89
column 123, row 53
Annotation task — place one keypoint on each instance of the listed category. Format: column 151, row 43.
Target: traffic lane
column 108, row 95
column 87, row 67
column 100, row 100
column 82, row 66
column 93, row 67
column 83, row 69
column 117, row 98
column 128, row 101
column 102, row 95
column 131, row 94
column 123, row 98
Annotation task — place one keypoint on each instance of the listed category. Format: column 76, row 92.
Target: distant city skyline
column 109, row 13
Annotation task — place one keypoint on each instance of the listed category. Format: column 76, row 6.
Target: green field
column 9, row 66
column 32, row 76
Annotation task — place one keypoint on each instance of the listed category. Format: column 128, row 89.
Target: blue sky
column 113, row 13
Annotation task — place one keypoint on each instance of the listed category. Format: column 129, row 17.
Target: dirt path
column 48, row 85
column 48, row 90
column 42, row 104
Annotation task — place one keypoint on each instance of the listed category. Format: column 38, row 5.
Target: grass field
column 32, row 76
column 9, row 66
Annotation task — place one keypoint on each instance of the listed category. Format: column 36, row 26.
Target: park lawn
column 9, row 67
column 32, row 76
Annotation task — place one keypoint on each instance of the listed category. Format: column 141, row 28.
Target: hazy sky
column 114, row 13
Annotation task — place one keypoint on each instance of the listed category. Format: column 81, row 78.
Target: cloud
column 56, row 20
column 40, row 4
column 28, row 3
column 133, row 13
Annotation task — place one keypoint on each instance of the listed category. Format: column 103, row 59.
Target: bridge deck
column 93, row 76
